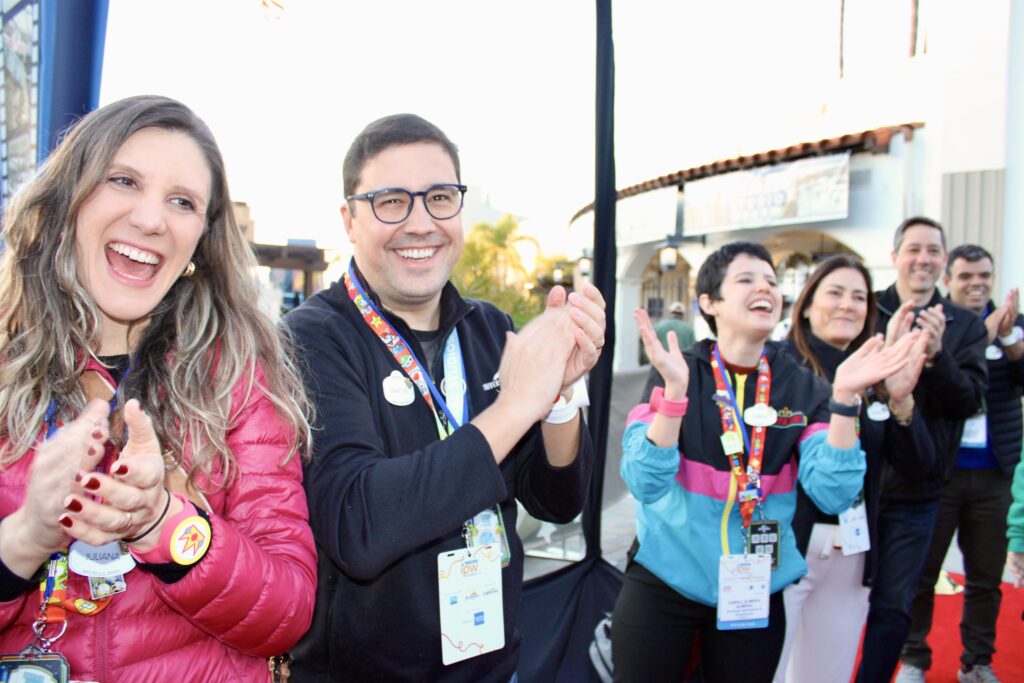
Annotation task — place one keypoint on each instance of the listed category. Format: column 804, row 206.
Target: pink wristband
column 184, row 539
column 663, row 406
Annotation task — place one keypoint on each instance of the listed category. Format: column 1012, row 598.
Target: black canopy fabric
column 560, row 610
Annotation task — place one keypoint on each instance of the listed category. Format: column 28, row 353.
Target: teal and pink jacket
column 687, row 509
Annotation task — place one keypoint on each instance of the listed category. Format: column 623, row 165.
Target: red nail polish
column 121, row 470
column 65, row 521
column 97, row 434
column 92, row 484
column 93, row 451
column 73, row 506
column 78, row 477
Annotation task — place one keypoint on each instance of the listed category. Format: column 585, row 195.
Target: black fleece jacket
column 949, row 392
column 885, row 443
column 386, row 496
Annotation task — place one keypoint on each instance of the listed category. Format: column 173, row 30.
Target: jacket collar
column 91, row 363
column 453, row 307
column 829, row 357
column 889, row 300
column 701, row 351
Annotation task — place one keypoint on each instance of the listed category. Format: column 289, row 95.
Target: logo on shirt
column 493, row 384
column 790, row 418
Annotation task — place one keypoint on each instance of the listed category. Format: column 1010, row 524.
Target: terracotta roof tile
column 873, row 140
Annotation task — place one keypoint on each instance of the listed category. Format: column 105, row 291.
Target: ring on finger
column 129, row 521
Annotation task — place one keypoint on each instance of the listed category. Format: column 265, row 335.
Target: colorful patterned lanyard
column 406, row 359
column 747, row 480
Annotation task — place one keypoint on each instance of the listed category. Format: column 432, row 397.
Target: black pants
column 974, row 504
column 654, row 627
column 904, row 534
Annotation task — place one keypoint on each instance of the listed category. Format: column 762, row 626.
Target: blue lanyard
column 736, row 413
column 453, row 350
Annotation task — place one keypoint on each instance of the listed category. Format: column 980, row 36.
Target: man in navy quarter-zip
column 432, row 419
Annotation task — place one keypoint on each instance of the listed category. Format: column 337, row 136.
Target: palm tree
column 492, row 268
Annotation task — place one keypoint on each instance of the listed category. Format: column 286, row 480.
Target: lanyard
column 747, row 480
column 415, row 370
column 53, row 424
column 454, row 383
column 55, row 601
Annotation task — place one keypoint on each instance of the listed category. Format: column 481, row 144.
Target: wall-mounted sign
column 803, row 191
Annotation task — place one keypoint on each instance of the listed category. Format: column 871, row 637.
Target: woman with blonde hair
column 154, row 525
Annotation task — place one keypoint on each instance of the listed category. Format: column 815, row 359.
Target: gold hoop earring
column 190, row 269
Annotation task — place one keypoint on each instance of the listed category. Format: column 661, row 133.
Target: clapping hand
column 870, row 364
column 586, row 309
column 534, row 361
column 901, row 383
column 900, row 322
column 1000, row 321
column 670, row 363
column 129, row 500
column 934, row 320
column 33, row 532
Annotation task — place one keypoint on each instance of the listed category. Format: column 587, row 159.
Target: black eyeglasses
column 394, row 204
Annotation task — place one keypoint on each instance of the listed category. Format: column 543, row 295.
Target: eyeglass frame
column 369, row 196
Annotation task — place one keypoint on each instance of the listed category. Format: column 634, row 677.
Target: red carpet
column 945, row 637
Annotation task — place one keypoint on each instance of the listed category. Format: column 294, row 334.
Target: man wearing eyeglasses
column 418, row 458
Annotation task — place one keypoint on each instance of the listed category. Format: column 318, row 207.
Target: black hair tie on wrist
column 147, row 532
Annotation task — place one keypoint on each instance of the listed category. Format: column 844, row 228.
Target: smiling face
column 138, row 229
column 750, row 303
column 839, row 307
column 919, row 260
column 406, row 263
column 970, row 283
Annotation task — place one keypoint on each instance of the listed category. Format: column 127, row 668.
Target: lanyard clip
column 41, row 644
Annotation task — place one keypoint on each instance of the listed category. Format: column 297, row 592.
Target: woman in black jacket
column 833, row 316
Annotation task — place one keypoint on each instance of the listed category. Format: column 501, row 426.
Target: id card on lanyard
column 744, row 581
column 487, row 526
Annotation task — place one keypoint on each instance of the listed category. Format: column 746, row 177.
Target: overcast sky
column 512, row 83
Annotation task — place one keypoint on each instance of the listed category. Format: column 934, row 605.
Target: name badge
column 398, row 389
column 993, row 352
column 975, row 432
column 878, row 411
column 103, row 561
column 472, row 612
column 744, row 583
column 853, row 528
column 760, row 415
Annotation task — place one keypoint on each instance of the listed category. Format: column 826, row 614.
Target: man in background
column 977, row 496
column 675, row 322
column 951, row 390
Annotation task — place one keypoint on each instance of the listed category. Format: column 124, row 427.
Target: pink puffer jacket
column 250, row 597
